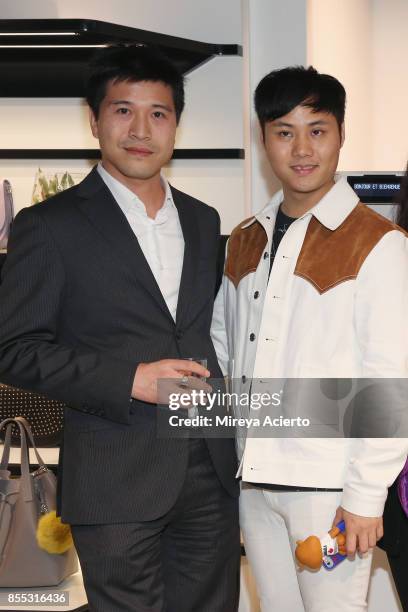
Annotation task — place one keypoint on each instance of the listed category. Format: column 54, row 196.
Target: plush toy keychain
column 329, row 550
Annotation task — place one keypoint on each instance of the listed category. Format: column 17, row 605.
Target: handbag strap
column 6, row 448
column 20, row 421
column 3, row 204
column 6, row 205
column 26, row 479
column 29, row 432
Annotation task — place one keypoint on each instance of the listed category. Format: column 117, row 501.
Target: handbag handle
column 25, row 429
column 28, row 429
column 6, row 449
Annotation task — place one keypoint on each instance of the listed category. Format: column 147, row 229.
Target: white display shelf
column 49, row 455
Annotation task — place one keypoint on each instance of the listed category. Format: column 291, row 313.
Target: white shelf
column 49, row 455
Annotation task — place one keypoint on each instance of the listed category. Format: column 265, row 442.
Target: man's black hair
column 132, row 63
column 280, row 91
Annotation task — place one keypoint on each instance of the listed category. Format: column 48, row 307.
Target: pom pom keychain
column 52, row 535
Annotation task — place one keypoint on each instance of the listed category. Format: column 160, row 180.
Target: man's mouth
column 304, row 170
column 139, row 151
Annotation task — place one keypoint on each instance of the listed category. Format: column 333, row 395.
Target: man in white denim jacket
column 315, row 286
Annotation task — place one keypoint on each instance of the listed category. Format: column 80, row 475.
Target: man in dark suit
column 106, row 288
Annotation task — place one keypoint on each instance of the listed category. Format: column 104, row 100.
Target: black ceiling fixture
column 48, row 57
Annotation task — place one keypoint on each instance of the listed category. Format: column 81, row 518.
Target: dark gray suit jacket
column 80, row 308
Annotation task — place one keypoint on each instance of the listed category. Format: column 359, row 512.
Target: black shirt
column 282, row 224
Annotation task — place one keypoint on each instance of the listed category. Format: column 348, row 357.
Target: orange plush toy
column 328, row 550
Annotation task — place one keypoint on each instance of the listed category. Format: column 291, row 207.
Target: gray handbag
column 22, row 501
column 6, row 212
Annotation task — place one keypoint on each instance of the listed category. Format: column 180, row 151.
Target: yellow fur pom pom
column 52, row 535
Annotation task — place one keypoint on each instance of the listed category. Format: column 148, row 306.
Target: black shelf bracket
column 96, row 154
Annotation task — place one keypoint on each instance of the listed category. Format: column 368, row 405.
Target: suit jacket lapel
column 190, row 229
column 98, row 204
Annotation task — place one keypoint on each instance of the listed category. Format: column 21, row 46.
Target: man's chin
column 139, row 174
column 305, row 189
column 308, row 187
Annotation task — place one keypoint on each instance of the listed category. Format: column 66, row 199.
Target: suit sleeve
column 381, row 324
column 31, row 356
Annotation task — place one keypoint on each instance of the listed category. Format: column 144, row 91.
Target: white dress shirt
column 161, row 239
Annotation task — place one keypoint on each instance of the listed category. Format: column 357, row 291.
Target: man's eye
column 122, row 110
column 284, row 133
column 317, row 132
column 158, row 114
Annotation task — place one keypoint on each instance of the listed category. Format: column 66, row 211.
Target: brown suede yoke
column 329, row 258
column 245, row 248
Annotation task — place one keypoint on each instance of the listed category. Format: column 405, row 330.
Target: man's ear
column 93, row 123
column 342, row 134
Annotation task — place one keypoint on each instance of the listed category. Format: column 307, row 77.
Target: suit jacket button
column 179, row 335
column 252, row 337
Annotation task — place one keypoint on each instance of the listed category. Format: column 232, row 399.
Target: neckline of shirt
column 131, row 204
column 333, row 208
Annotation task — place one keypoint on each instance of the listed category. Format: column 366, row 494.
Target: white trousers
column 272, row 522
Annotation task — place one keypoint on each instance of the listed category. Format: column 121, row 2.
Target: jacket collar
column 91, row 184
column 99, row 205
column 336, row 205
column 192, row 245
column 330, row 211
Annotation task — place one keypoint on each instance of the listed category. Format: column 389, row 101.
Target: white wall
column 340, row 44
column 212, row 117
column 364, row 43
column 274, row 37
column 390, row 84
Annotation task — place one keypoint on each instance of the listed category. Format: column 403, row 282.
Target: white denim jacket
column 336, row 305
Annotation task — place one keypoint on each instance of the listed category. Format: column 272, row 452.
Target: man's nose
column 302, row 147
column 140, row 127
